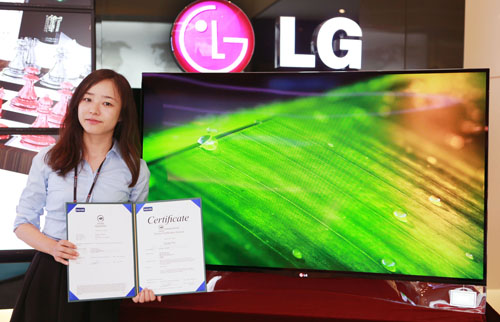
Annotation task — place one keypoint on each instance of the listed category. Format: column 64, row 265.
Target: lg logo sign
column 216, row 36
column 323, row 44
column 212, row 36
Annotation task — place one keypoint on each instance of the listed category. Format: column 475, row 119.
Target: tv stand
column 240, row 296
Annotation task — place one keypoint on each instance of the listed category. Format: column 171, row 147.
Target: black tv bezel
column 311, row 273
column 16, row 255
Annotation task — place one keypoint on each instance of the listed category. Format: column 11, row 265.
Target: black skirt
column 44, row 297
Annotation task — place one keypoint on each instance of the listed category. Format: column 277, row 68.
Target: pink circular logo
column 212, row 36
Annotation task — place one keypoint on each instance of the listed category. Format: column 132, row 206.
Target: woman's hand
column 63, row 250
column 146, row 295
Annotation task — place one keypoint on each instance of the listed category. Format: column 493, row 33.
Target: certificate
column 127, row 247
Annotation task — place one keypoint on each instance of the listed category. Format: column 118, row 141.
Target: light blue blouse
column 46, row 189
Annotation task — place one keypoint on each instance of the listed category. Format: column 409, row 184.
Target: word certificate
column 124, row 248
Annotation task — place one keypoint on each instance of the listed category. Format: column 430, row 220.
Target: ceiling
column 164, row 10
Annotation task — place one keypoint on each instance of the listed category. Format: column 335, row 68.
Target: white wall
column 482, row 49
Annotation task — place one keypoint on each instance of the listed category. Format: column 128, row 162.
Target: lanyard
column 93, row 183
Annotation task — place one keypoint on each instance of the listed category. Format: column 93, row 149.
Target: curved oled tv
column 379, row 174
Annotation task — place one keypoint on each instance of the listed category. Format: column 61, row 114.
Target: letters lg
column 286, row 56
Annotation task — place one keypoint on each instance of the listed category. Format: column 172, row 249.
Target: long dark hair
column 67, row 153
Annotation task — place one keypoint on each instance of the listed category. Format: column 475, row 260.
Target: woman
column 96, row 159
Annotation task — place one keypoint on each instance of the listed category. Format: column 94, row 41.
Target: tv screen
column 43, row 57
column 16, row 153
column 11, row 188
column 372, row 173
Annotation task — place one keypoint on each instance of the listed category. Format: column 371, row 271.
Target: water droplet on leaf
column 389, row 264
column 401, row 216
column 297, row 253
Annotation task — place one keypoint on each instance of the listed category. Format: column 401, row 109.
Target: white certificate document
column 103, row 235
column 170, row 249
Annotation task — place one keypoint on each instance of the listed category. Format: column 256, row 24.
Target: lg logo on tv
column 323, row 41
column 212, row 36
